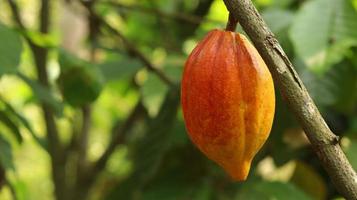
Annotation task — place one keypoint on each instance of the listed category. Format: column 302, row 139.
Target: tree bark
column 324, row 142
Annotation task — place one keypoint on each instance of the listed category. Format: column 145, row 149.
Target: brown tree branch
column 40, row 55
column 324, row 142
column 232, row 23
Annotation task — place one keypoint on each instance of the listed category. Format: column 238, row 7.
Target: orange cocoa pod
column 228, row 100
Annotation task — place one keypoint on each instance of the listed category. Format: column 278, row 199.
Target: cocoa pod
column 228, row 100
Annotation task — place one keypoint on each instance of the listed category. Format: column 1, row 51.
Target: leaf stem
column 231, row 23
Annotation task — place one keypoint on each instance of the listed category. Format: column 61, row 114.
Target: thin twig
column 231, row 23
column 15, row 13
column 136, row 52
column 299, row 101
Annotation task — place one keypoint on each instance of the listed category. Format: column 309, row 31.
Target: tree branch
column 324, row 142
column 40, row 56
column 15, row 13
column 82, row 139
column 83, row 136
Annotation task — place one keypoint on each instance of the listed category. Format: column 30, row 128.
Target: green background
column 156, row 160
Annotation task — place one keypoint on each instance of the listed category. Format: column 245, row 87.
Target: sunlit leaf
column 10, row 50
column 42, row 40
column 20, row 188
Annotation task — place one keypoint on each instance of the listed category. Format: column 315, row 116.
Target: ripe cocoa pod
column 228, row 100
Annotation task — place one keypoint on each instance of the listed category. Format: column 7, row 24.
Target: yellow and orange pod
column 228, row 100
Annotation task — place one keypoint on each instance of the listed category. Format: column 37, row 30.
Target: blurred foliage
column 10, row 50
column 79, row 82
column 90, row 65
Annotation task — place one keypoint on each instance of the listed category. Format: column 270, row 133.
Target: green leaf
column 10, row 50
column 6, row 157
column 13, row 127
column 43, row 94
column 318, row 26
column 147, row 153
column 80, row 82
column 344, row 87
column 154, row 89
column 119, row 69
column 337, row 87
column 339, row 50
column 264, row 190
column 320, row 88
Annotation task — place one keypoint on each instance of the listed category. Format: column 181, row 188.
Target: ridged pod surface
column 228, row 100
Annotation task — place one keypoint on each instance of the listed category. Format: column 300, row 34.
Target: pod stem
column 232, row 23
